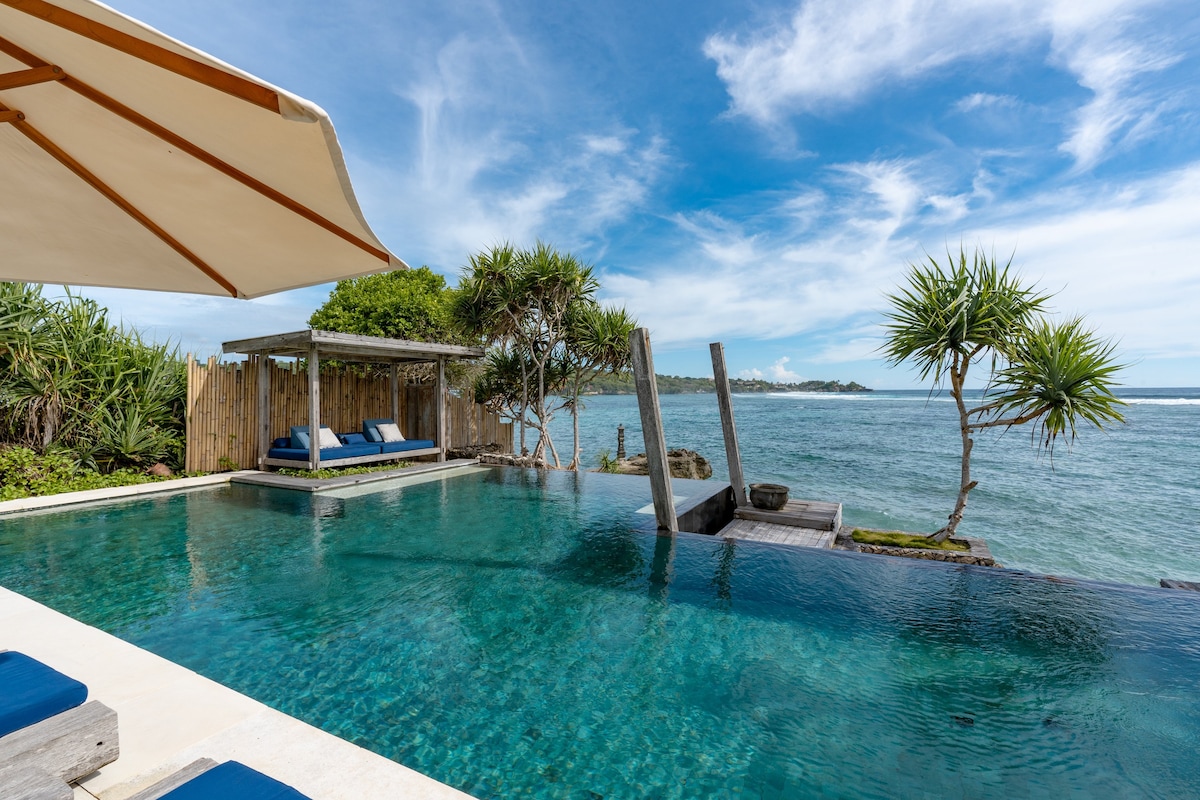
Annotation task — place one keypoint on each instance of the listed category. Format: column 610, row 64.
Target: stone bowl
column 769, row 496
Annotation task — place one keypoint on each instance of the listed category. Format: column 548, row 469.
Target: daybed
column 355, row 448
column 48, row 735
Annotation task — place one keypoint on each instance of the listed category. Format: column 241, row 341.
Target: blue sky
column 757, row 173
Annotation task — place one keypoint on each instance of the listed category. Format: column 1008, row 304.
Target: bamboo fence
column 222, row 403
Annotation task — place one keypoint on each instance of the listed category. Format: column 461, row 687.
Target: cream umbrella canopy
column 129, row 159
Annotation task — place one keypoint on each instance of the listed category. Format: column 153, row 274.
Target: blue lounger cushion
column 327, row 453
column 233, row 780
column 31, row 692
column 407, row 444
column 353, row 438
column 371, row 429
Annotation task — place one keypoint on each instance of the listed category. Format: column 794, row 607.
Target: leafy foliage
column 73, row 382
column 967, row 311
column 674, row 384
column 24, row 473
column 333, row 472
column 409, row 304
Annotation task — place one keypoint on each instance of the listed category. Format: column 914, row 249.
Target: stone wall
column 978, row 555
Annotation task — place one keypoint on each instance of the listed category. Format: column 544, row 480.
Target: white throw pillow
column 328, row 439
column 390, row 432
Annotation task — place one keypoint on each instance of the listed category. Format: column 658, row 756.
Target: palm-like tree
column 597, row 344
column 973, row 310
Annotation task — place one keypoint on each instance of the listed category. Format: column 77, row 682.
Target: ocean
column 1118, row 505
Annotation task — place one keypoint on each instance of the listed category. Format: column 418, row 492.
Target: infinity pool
column 517, row 634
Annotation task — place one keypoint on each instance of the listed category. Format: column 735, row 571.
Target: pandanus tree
column 1057, row 375
column 537, row 308
column 597, row 344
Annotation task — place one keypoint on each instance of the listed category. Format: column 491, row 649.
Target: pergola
column 315, row 345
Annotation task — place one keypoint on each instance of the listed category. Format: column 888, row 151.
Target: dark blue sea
column 1119, row 505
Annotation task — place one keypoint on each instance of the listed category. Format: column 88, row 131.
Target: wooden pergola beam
column 11, row 116
column 161, row 57
column 185, row 145
column 65, row 158
column 31, row 76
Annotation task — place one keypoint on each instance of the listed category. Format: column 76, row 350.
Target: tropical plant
column 597, row 344
column 74, row 383
column 973, row 310
column 525, row 303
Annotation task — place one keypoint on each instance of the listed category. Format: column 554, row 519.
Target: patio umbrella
column 129, row 159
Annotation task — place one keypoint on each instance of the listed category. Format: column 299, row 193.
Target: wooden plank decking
column 801, row 523
column 798, row 514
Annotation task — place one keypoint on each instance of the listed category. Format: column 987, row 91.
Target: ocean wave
column 1162, row 401
column 859, row 397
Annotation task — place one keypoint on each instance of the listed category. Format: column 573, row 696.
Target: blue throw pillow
column 300, row 437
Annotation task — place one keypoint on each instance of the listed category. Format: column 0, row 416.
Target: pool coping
column 116, row 492
column 247, row 476
column 168, row 716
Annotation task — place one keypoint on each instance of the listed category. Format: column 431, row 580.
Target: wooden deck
column 800, row 523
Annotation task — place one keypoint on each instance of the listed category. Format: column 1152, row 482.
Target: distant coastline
column 673, row 384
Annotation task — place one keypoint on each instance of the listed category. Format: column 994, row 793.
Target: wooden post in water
column 264, row 408
column 652, row 431
column 314, row 408
column 725, row 400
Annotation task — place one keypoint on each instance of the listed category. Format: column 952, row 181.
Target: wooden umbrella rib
column 197, row 152
column 64, row 158
column 198, row 71
column 30, row 77
column 202, row 155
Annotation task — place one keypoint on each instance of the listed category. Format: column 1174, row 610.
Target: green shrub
column 898, row 539
column 334, row 472
column 24, row 473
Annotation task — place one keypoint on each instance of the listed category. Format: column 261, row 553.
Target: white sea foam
column 1162, row 401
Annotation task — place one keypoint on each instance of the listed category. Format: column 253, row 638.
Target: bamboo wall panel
column 222, row 403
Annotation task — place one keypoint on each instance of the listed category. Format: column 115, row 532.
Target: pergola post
column 264, row 408
column 440, row 405
column 733, row 455
column 314, row 408
column 395, row 389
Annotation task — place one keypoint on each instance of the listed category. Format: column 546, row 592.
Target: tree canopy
column 412, row 304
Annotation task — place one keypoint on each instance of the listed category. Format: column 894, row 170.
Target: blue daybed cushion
column 371, row 429
column 327, row 453
column 233, row 780
column 352, row 438
column 407, row 444
column 30, row 692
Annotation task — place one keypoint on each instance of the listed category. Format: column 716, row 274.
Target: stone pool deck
column 169, row 716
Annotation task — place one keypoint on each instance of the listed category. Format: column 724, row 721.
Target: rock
column 159, row 470
column 683, row 463
column 474, row 450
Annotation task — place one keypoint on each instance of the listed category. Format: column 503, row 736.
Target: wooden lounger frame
column 39, row 760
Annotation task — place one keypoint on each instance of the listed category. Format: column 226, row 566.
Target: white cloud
column 978, row 100
column 829, row 53
column 1122, row 254
column 776, row 373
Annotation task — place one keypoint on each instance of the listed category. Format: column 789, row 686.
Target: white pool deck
column 168, row 716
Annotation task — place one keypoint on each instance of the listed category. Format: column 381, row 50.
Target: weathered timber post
column 314, row 408
column 264, row 408
column 733, row 455
column 652, row 431
column 395, row 392
column 443, row 445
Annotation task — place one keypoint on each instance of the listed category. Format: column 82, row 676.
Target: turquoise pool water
column 517, row 635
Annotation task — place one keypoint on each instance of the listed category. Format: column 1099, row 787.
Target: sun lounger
column 48, row 735
column 207, row 780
